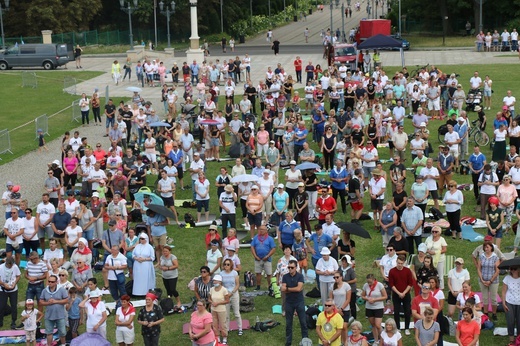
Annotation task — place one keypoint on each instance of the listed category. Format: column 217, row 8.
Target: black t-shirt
column 250, row 90
column 346, row 247
column 360, row 92
column 175, row 69
column 357, row 136
column 353, row 185
column 246, row 133
column 399, row 245
column 186, row 69
column 300, row 199
column 310, row 179
column 128, row 161
column 109, row 109
column 237, row 65
column 127, row 115
column 396, row 170
column 399, row 197
column 231, row 66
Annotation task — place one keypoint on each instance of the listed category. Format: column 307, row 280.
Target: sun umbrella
column 155, row 199
column 89, row 339
column 161, row 210
column 209, row 122
column 307, row 165
column 354, row 229
column 272, row 91
column 159, row 124
column 134, row 89
column 244, row 178
column 513, row 262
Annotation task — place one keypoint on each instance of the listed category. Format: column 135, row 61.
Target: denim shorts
column 89, row 234
column 34, row 291
column 203, row 204
column 58, row 324
column 10, row 248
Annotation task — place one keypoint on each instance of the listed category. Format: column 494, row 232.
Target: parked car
column 346, row 53
column 48, row 56
column 405, row 43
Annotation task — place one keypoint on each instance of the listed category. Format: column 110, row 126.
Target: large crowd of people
column 353, row 116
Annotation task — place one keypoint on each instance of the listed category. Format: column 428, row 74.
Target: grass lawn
column 189, row 243
column 422, row 41
column 48, row 98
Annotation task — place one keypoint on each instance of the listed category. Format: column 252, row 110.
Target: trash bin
column 310, row 11
column 295, row 18
column 241, row 39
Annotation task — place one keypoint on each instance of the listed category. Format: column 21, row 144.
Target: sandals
column 104, row 288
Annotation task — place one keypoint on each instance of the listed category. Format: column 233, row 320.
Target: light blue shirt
column 157, row 231
column 410, row 218
column 279, row 200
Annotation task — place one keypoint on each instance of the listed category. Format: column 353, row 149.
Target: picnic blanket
column 18, row 336
column 468, row 233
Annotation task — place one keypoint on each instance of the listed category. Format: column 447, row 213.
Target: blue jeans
column 34, row 291
column 195, row 77
column 116, row 289
column 290, row 308
column 110, row 122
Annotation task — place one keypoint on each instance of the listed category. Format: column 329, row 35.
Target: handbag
column 121, row 279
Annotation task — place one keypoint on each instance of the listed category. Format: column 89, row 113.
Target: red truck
column 371, row 27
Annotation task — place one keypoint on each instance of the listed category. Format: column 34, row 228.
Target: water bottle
column 257, row 319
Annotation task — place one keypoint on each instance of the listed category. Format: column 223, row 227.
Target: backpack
column 265, row 325
column 129, row 287
column 247, row 303
column 234, row 151
column 249, row 279
column 436, row 214
column 167, row 306
column 189, row 220
column 311, row 315
column 451, row 326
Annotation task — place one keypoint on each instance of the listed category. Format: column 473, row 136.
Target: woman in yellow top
column 254, row 204
column 116, row 71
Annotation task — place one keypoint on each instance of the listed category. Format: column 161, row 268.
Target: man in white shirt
column 400, row 141
column 514, row 172
column 245, row 106
column 88, row 155
column 505, row 39
column 431, row 176
column 332, row 230
column 187, row 141
column 196, row 166
column 399, row 112
column 13, row 230
column 510, row 101
column 514, row 40
column 475, row 81
column 96, row 175
column 452, row 139
column 44, row 213
column 53, row 252
column 376, row 189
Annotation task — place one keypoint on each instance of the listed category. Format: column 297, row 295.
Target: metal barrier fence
column 69, row 85
column 5, row 142
column 29, row 79
column 76, row 111
column 42, row 123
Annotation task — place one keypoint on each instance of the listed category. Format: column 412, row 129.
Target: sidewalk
column 292, row 33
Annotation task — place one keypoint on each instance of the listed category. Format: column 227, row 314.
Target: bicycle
column 479, row 136
column 415, row 72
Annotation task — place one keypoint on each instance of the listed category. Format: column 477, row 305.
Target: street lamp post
column 399, row 18
column 480, row 26
column 343, row 38
column 129, row 9
column 221, row 17
column 2, row 9
column 167, row 13
column 331, row 19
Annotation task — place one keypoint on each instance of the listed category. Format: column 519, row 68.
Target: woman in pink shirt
column 200, row 330
column 70, row 167
column 262, row 139
column 162, row 72
column 507, row 195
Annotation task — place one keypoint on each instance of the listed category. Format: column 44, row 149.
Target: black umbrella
column 513, row 262
column 354, row 229
column 161, row 210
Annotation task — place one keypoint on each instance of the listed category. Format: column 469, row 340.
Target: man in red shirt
column 325, row 205
column 401, row 282
column 298, row 65
column 422, row 301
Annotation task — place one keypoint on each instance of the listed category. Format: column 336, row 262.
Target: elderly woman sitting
column 81, row 252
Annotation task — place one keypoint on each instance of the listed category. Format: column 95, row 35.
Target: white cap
column 460, row 119
column 217, row 278
column 292, row 162
column 254, row 187
column 422, row 124
column 280, row 186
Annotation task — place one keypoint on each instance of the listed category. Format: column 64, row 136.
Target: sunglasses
column 203, row 271
column 426, row 287
column 52, row 282
column 291, row 267
column 337, row 277
column 226, row 264
column 121, row 215
column 62, row 275
column 388, row 250
column 328, row 305
column 452, row 185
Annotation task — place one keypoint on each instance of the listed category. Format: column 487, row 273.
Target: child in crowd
column 74, row 311
column 41, row 141
column 299, row 249
column 30, row 319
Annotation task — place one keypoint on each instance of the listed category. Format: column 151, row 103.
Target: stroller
column 473, row 99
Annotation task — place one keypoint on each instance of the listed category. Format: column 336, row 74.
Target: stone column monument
column 194, row 52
